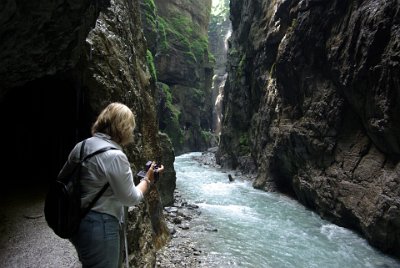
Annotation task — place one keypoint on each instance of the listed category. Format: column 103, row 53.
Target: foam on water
column 260, row 229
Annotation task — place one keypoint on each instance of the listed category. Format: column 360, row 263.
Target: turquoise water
column 243, row 227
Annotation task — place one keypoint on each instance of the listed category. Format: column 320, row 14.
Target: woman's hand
column 152, row 169
column 160, row 168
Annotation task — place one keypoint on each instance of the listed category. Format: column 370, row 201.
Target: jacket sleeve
column 120, row 177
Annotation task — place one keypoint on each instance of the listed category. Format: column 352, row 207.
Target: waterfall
column 220, row 31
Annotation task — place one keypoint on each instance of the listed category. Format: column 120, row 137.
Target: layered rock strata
column 311, row 105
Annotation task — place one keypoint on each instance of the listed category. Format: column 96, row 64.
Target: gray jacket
column 111, row 166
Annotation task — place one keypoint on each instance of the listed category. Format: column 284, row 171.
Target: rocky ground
column 25, row 238
column 181, row 251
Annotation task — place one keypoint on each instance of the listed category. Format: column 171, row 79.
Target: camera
column 142, row 173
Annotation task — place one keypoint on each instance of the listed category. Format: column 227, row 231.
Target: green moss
column 167, row 92
column 272, row 71
column 244, row 144
column 206, row 136
column 241, row 66
column 197, row 96
column 182, row 24
column 170, row 119
column 150, row 63
column 180, row 30
column 293, row 25
column 163, row 42
column 242, row 62
column 190, row 57
column 150, row 4
column 151, row 20
column 244, row 139
column 150, row 13
column 211, row 58
column 200, row 47
column 232, row 52
column 173, row 129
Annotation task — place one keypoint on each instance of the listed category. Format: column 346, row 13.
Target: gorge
column 309, row 105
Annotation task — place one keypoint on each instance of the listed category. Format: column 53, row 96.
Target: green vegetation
column 293, row 25
column 150, row 13
column 198, row 96
column 244, row 144
column 207, row 136
column 167, row 92
column 242, row 65
column 177, row 33
column 200, row 47
column 180, row 31
column 173, row 130
column 150, row 63
column 272, row 71
column 170, row 119
column 163, row 42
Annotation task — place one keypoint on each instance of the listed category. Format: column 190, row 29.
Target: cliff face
column 176, row 32
column 311, row 105
column 67, row 22
column 60, row 65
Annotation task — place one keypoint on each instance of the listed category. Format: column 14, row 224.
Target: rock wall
column 59, row 28
column 311, row 106
column 176, row 32
column 61, row 63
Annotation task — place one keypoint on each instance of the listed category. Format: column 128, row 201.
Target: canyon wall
column 177, row 34
column 311, row 106
column 61, row 63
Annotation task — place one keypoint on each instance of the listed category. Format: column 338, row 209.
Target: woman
column 98, row 238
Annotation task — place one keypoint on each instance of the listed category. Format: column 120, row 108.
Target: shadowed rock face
column 61, row 63
column 312, row 103
column 56, row 29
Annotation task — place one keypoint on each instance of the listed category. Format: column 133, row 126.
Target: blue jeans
column 98, row 241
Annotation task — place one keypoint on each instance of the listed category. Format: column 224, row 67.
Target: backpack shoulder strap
column 102, row 150
column 91, row 204
column 101, row 192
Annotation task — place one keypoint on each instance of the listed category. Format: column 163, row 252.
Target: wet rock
column 211, row 229
column 177, row 220
column 184, row 226
column 180, row 251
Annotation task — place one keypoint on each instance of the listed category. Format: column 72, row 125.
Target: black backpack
column 62, row 207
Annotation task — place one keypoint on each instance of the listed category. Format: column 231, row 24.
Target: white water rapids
column 240, row 226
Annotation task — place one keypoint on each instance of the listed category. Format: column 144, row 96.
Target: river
column 240, row 226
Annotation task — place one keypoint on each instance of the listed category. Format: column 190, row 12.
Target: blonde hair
column 117, row 121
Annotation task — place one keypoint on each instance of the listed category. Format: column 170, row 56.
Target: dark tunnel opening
column 42, row 121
